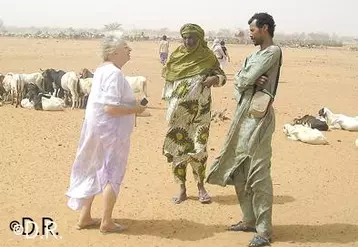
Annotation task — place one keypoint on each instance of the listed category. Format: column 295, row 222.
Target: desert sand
column 315, row 187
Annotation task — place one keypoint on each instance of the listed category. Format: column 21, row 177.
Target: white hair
column 111, row 41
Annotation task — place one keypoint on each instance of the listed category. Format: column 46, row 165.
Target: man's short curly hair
column 264, row 19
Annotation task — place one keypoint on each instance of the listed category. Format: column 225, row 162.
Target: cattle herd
column 56, row 88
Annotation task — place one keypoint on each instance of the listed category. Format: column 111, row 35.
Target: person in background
column 163, row 49
column 222, row 43
column 219, row 52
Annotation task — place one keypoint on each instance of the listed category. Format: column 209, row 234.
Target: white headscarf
column 215, row 43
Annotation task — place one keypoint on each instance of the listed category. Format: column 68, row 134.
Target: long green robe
column 248, row 138
column 245, row 159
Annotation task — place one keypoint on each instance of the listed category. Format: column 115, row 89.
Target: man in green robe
column 245, row 160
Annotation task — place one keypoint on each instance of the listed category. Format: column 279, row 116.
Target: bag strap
column 278, row 73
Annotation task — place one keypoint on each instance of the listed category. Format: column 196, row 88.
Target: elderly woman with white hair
column 102, row 154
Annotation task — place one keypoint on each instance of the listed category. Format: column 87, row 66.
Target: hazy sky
column 290, row 15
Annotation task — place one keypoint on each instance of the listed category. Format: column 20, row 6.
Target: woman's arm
column 111, row 97
column 220, row 75
column 123, row 110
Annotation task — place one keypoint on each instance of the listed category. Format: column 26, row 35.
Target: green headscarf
column 185, row 62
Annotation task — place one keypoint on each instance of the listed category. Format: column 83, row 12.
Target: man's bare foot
column 88, row 223
column 182, row 195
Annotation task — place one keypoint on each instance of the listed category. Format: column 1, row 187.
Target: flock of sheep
column 308, row 129
column 53, row 89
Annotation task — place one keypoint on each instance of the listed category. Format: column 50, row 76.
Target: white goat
column 85, row 89
column 34, row 78
column 339, row 121
column 138, row 84
column 304, row 134
column 53, row 104
column 25, row 103
column 70, row 85
column 14, row 84
column 6, row 83
column 2, row 89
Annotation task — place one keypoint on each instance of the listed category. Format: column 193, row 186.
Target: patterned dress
column 189, row 116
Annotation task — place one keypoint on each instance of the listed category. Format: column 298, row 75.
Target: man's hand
column 262, row 80
column 210, row 81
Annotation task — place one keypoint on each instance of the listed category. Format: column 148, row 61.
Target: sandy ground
column 315, row 187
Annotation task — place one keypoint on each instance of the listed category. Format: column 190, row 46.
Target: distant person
column 103, row 149
column 245, row 159
column 222, row 43
column 219, row 52
column 190, row 73
column 163, row 49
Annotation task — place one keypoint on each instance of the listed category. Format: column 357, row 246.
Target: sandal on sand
column 259, row 241
column 241, row 227
column 205, row 198
column 94, row 224
column 117, row 229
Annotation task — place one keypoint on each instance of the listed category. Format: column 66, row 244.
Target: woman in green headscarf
column 189, row 74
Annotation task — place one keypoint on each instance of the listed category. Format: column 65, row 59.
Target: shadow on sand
column 327, row 233
column 184, row 230
column 232, row 199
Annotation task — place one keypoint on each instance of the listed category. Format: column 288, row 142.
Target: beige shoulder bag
column 262, row 99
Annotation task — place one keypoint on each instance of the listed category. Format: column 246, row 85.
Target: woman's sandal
column 205, row 198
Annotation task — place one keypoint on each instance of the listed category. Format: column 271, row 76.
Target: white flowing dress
column 104, row 144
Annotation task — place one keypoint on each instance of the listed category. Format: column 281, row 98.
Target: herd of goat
column 308, row 129
column 71, row 87
column 51, row 89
